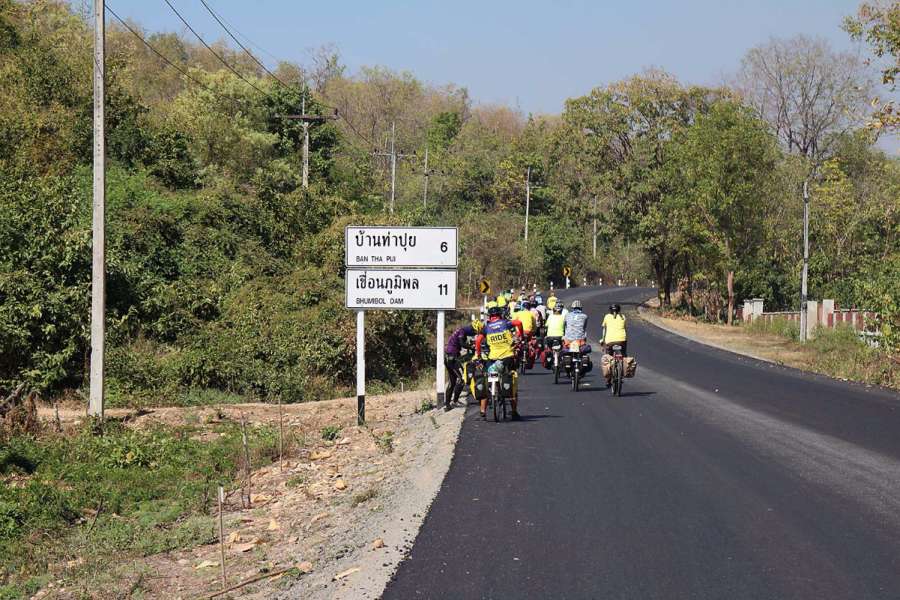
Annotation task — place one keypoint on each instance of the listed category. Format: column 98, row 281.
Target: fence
column 819, row 314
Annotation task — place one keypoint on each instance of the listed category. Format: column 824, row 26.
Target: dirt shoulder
column 769, row 348
column 334, row 522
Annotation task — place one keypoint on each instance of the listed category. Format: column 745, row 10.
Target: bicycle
column 617, row 370
column 497, row 398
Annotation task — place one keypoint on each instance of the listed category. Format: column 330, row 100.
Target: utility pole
column 393, row 155
column 425, row 193
column 98, row 240
column 803, row 278
column 527, row 203
column 595, row 226
column 306, row 119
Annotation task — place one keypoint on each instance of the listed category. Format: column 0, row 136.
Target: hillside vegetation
column 225, row 276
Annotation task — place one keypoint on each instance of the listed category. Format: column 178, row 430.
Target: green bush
column 152, row 490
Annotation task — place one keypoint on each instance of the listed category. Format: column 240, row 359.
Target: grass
column 781, row 327
column 837, row 352
column 71, row 505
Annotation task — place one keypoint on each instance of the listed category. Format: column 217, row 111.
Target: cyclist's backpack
column 630, row 366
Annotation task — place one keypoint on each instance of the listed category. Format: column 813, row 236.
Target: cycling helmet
column 501, row 300
column 491, row 304
column 615, row 309
column 477, row 325
column 495, row 311
column 576, row 304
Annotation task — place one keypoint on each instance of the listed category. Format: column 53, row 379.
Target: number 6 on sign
column 443, row 246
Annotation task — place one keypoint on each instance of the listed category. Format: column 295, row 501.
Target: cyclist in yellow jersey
column 526, row 317
column 499, row 335
column 615, row 330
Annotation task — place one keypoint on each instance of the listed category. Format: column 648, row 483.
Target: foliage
column 879, row 25
column 113, row 492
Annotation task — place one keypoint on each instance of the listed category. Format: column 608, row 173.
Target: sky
column 525, row 53
column 528, row 54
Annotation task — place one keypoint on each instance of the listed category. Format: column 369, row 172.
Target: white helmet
column 576, row 305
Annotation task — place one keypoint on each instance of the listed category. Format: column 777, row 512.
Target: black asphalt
column 714, row 476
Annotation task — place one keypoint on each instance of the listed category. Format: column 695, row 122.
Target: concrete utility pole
column 527, row 203
column 306, row 119
column 803, row 278
column 425, row 193
column 393, row 155
column 595, row 226
column 98, row 268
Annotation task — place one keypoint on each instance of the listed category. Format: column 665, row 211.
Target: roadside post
column 399, row 268
column 484, row 286
column 567, row 272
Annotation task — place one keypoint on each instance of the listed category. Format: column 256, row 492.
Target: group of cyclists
column 512, row 330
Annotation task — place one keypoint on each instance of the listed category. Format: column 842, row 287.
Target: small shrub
column 330, row 432
column 295, row 481
column 362, row 497
column 386, row 442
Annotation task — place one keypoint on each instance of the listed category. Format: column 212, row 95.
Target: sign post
column 441, row 385
column 360, row 367
column 399, row 268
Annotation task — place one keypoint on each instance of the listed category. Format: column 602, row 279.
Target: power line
column 222, row 23
column 169, row 62
column 251, row 42
column 244, row 48
column 213, row 52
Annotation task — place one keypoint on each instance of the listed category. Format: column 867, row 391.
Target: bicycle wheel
column 619, row 376
column 496, row 400
column 556, row 373
column 576, row 375
column 613, row 377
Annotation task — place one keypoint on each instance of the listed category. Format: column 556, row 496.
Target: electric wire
column 213, row 52
column 221, row 21
column 244, row 48
column 169, row 62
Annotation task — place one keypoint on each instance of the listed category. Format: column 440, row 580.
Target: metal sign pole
column 440, row 359
column 361, row 367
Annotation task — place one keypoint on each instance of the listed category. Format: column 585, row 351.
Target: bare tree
column 805, row 90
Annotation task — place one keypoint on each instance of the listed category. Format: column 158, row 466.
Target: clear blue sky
column 523, row 52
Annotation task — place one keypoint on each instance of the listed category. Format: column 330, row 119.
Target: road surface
column 714, row 476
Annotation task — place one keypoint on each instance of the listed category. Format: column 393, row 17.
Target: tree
column 719, row 170
column 625, row 132
column 879, row 25
column 806, row 91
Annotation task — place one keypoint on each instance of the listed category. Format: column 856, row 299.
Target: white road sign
column 401, row 246
column 401, row 289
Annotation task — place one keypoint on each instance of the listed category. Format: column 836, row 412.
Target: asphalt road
column 714, row 476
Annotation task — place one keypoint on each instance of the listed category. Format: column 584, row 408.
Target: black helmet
column 495, row 311
column 558, row 308
column 615, row 309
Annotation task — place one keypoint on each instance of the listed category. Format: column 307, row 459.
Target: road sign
column 401, row 289
column 484, row 286
column 392, row 247
column 567, row 271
